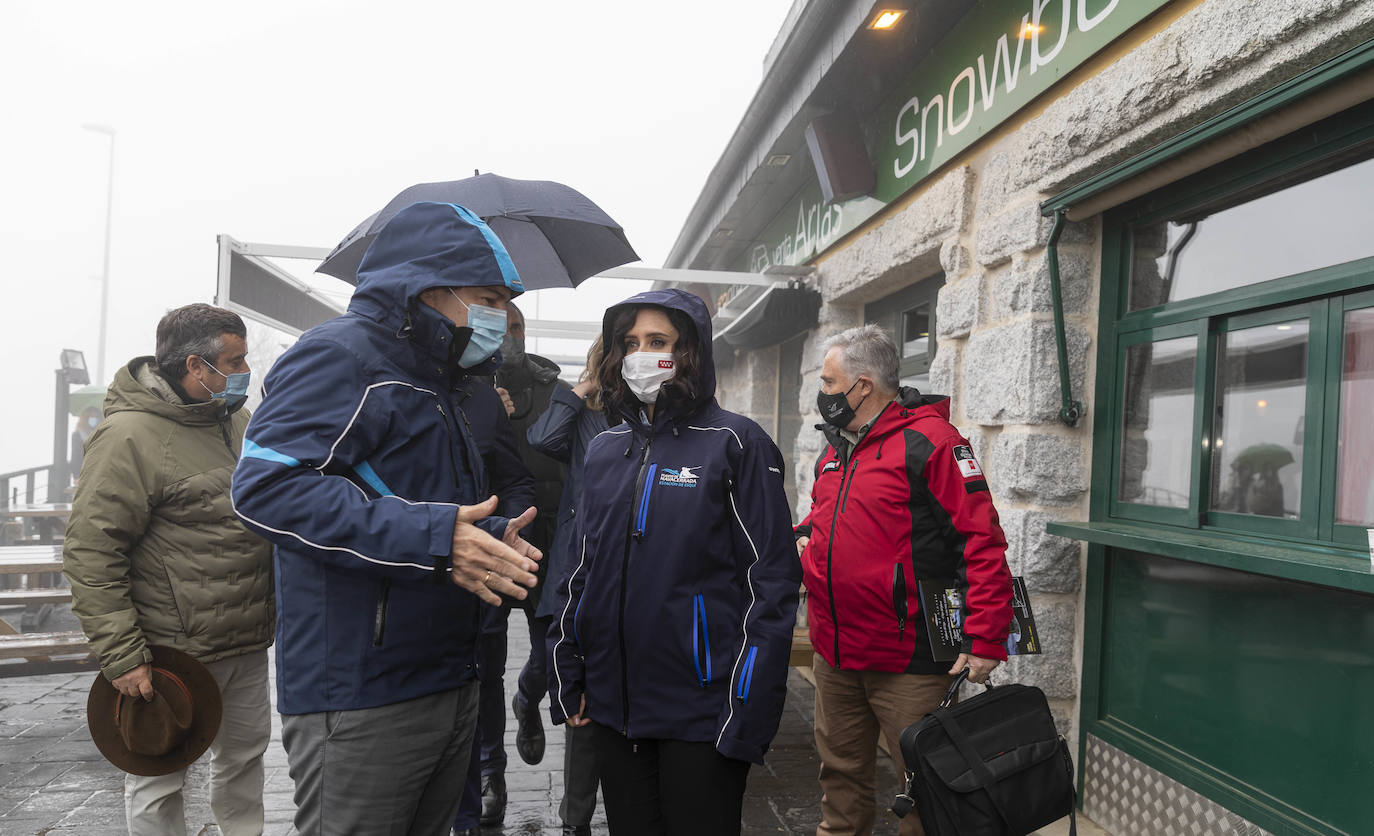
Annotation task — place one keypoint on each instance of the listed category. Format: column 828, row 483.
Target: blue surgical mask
column 488, row 328
column 235, row 386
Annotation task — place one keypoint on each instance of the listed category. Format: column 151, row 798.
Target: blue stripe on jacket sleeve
column 370, row 476
column 508, row 272
column 252, row 450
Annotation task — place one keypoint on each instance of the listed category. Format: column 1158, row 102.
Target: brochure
column 942, row 604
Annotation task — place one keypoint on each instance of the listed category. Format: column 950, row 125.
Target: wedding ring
column 487, row 580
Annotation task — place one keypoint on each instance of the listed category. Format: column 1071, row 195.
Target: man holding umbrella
column 360, row 467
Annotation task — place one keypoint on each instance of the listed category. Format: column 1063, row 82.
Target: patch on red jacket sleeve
column 968, row 465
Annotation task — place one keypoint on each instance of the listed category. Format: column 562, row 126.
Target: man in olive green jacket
column 155, row 554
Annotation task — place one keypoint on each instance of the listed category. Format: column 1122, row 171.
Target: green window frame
column 1321, row 297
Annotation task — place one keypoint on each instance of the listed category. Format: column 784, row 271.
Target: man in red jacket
column 898, row 498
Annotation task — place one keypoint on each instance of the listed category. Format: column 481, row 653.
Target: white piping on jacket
column 744, row 626
column 563, row 632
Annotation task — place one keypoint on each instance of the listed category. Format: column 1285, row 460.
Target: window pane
column 1157, row 433
column 1260, row 410
column 1355, row 463
column 916, row 332
column 1314, row 224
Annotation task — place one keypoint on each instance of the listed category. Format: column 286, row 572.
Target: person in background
column 898, row 498
column 155, row 555
column 86, row 423
column 525, row 382
column 674, row 628
column 484, row 410
column 563, row 432
column 361, row 469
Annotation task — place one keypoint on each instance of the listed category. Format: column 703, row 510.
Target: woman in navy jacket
column 674, row 628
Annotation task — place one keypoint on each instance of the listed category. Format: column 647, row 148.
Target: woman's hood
column 678, row 300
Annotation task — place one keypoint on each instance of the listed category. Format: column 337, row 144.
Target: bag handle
column 954, row 688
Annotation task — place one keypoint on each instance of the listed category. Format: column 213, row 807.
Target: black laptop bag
column 991, row 765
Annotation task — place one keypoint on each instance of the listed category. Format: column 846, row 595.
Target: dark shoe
column 493, row 800
column 577, row 830
column 468, row 831
column 529, row 737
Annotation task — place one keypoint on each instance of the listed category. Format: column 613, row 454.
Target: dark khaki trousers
column 852, row 709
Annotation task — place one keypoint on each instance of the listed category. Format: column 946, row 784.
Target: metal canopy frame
column 257, row 255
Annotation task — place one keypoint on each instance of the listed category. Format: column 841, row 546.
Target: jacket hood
column 138, row 387
column 678, row 300
column 429, row 245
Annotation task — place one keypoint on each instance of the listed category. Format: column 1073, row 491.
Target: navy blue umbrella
column 555, row 235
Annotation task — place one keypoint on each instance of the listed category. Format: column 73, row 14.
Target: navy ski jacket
column 354, row 467
column 676, row 621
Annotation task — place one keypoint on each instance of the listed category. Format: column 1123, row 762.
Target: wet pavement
column 52, row 780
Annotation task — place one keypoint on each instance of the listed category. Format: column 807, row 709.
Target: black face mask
column 835, row 409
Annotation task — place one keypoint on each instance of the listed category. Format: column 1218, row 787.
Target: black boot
column 577, row 830
column 493, row 800
column 529, row 734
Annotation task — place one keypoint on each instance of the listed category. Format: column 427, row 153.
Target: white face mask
column 645, row 372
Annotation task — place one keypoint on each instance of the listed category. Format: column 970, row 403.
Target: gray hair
column 194, row 330
column 867, row 350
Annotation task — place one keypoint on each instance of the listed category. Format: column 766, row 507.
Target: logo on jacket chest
column 682, row 477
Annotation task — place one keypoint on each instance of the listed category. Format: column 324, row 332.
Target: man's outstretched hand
column 484, row 565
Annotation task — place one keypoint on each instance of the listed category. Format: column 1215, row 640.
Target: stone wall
column 979, row 224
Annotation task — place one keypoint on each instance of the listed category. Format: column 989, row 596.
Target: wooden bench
column 30, row 654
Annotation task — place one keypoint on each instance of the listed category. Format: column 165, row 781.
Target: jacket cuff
column 442, row 519
column 738, row 750
column 801, row 531
column 988, row 650
column 566, row 396
column 114, row 671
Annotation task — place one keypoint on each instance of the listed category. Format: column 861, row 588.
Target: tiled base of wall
column 1128, row 798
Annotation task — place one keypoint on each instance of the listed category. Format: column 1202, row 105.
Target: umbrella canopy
column 1264, row 457
column 85, row 397
column 555, row 235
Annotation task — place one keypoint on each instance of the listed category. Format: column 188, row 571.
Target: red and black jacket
column 907, row 503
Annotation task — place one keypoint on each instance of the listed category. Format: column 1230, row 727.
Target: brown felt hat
column 162, row 735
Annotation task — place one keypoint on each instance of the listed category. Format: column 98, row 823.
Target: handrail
column 29, row 474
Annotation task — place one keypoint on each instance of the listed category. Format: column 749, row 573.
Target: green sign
column 999, row 57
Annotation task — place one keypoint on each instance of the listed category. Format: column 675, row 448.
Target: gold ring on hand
column 487, row 580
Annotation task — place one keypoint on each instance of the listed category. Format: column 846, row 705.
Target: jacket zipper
column 701, row 641
column 630, row 536
column 899, row 598
column 830, row 554
column 379, row 627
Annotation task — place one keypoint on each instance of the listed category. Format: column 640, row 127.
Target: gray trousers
column 153, row 805
column 580, row 777
column 396, row 769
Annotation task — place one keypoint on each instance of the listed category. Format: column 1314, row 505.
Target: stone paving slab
column 53, row 781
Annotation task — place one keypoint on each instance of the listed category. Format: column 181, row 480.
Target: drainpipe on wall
column 1070, row 410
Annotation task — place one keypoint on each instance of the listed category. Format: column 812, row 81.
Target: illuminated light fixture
column 1261, row 403
column 886, row 19
column 778, row 160
column 1285, row 327
column 1031, row 30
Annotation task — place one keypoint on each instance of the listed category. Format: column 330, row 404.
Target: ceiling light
column 1285, row 327
column 887, row 18
column 778, row 159
column 724, row 232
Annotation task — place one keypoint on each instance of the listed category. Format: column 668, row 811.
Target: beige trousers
column 852, row 709
column 154, row 805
